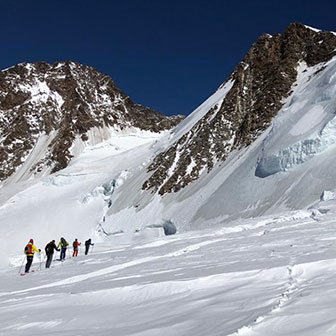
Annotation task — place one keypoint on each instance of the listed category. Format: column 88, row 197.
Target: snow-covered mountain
column 243, row 107
column 49, row 112
column 262, row 145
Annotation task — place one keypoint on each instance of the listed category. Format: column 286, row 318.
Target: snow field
column 264, row 278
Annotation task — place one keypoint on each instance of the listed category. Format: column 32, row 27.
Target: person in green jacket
column 63, row 244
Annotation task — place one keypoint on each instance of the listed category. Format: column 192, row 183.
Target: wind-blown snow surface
column 265, row 276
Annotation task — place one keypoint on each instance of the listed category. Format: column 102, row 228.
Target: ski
column 22, row 274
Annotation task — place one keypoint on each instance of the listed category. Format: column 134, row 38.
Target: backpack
column 64, row 243
column 28, row 249
column 50, row 248
column 74, row 244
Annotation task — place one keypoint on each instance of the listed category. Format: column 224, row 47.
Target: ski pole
column 56, row 255
column 41, row 261
column 22, row 264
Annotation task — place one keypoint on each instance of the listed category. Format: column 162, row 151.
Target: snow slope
column 268, row 276
column 72, row 202
column 288, row 167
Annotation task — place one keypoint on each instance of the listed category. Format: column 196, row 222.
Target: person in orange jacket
column 75, row 245
column 29, row 251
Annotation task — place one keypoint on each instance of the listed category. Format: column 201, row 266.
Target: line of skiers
column 62, row 246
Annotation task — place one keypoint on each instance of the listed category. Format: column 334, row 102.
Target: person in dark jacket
column 49, row 250
column 87, row 246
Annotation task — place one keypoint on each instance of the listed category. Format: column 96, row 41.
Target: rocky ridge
column 63, row 101
column 259, row 85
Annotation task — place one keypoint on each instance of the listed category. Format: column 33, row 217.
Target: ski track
column 292, row 287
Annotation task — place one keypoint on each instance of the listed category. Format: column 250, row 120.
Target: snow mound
column 328, row 195
column 168, row 226
column 103, row 191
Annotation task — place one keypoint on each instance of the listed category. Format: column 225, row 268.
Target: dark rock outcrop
column 260, row 83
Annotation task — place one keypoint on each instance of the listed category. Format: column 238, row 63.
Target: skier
column 87, row 246
column 75, row 245
column 29, row 251
column 49, row 250
column 63, row 244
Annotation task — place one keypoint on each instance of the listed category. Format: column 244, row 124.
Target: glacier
column 310, row 116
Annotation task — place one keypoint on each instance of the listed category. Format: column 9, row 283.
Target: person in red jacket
column 75, row 245
column 29, row 251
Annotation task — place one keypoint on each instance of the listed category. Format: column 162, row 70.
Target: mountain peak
column 296, row 26
column 256, row 91
column 300, row 27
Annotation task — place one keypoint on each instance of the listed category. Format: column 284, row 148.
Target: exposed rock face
column 63, row 100
column 260, row 82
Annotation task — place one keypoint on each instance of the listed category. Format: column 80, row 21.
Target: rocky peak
column 62, row 101
column 258, row 86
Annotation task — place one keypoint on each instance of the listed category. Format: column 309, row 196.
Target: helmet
column 31, row 241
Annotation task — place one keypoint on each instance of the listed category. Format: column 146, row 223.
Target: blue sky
column 168, row 55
